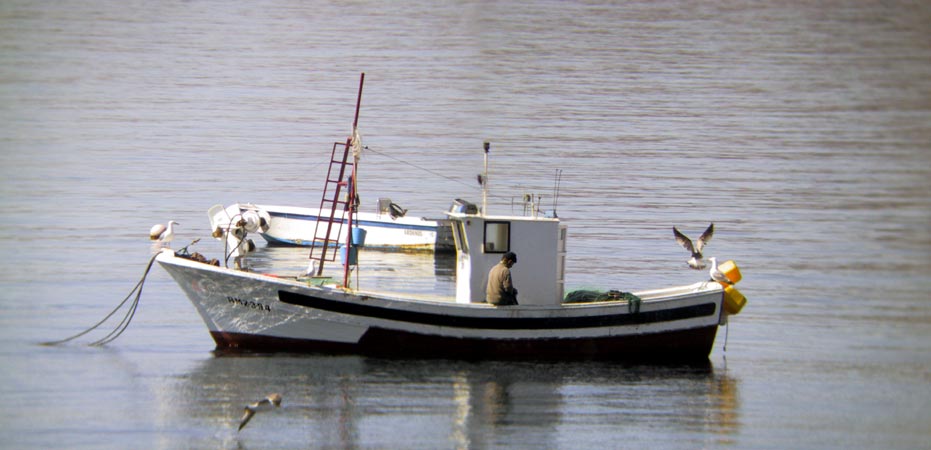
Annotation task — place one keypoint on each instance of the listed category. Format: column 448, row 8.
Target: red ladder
column 330, row 224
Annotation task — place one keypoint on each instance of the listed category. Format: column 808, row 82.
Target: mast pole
column 353, row 182
column 355, row 122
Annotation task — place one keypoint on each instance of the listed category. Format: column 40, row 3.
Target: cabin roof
column 461, row 216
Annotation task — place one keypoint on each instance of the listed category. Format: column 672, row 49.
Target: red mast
column 352, row 183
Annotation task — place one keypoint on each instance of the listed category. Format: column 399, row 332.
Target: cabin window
column 497, row 237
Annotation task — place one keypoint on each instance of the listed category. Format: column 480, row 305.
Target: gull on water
column 716, row 274
column 695, row 262
column 163, row 234
column 266, row 404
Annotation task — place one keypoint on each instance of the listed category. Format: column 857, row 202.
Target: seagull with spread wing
column 266, row 404
column 695, row 262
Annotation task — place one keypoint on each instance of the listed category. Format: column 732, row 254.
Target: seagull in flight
column 695, row 262
column 716, row 274
column 266, row 404
column 163, row 234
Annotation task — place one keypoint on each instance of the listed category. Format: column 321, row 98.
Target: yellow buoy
column 730, row 270
column 734, row 301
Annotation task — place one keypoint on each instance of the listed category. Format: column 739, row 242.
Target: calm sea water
column 802, row 130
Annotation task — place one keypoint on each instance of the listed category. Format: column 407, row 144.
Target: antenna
column 556, row 181
column 485, row 182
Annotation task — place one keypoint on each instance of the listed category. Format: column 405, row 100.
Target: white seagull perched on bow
column 163, row 234
column 695, row 261
column 716, row 274
column 266, row 404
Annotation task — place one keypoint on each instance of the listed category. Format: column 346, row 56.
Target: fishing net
column 591, row 295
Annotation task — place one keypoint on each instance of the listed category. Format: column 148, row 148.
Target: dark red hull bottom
column 684, row 345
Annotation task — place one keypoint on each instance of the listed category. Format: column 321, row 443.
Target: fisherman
column 500, row 291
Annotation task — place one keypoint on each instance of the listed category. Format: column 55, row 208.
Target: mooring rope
column 727, row 330
column 126, row 318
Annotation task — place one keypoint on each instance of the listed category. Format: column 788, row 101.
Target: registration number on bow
column 247, row 303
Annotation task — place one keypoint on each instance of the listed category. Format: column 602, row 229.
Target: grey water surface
column 801, row 129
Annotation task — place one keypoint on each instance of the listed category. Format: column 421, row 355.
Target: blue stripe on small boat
column 303, row 243
column 362, row 223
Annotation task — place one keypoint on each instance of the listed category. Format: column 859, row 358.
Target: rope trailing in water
column 727, row 331
column 127, row 318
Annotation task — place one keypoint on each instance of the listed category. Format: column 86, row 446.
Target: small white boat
column 387, row 229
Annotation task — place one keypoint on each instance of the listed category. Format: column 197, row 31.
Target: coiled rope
column 127, row 318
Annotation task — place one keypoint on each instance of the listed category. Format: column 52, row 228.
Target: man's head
column 509, row 258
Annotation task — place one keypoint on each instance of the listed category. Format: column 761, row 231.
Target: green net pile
column 590, row 295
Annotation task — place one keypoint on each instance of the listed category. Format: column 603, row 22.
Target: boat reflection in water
column 354, row 401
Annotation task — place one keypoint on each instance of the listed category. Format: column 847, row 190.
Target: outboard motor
column 396, row 211
column 386, row 206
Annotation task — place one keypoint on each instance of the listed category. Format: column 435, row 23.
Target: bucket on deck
column 358, row 237
column 353, row 255
column 734, row 301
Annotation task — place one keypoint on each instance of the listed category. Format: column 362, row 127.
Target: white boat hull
column 250, row 311
column 295, row 226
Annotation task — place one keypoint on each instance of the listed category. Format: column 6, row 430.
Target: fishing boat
column 320, row 311
column 274, row 312
column 388, row 228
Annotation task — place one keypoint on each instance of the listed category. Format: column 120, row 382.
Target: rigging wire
column 433, row 172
